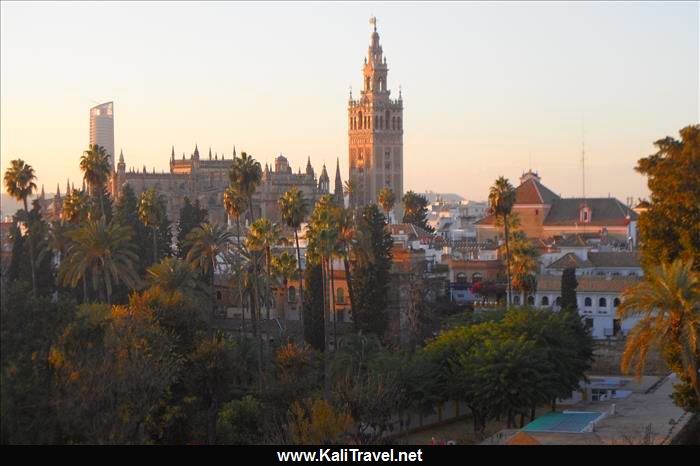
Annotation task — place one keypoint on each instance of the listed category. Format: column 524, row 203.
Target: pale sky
column 489, row 89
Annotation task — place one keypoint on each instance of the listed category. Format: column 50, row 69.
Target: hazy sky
column 488, row 89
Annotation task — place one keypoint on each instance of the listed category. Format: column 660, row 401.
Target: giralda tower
column 375, row 129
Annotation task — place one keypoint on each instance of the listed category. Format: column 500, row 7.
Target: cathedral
column 205, row 179
column 375, row 129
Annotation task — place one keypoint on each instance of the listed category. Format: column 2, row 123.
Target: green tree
column 284, row 268
column 191, row 216
column 109, row 393
column 76, row 207
column 387, row 199
column 172, row 274
column 372, row 256
column 416, row 210
column 104, row 253
column 95, row 165
column 670, row 228
column 207, row 243
column 19, row 183
column 151, row 213
column 217, row 367
column 314, row 307
column 568, row 289
column 501, row 201
column 667, row 301
column 524, row 264
column 240, row 422
column 235, row 205
column 245, row 176
column 30, row 326
column 263, row 235
column 293, row 210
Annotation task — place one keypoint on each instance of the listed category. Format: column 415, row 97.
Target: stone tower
column 375, row 129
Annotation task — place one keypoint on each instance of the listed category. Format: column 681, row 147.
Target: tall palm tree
column 501, row 201
column 246, row 175
column 346, row 236
column 524, row 263
column 96, row 168
column 668, row 302
column 322, row 239
column 293, row 210
column 151, row 213
column 105, row 253
column 207, row 242
column 235, row 205
column 19, row 183
column 386, row 199
column 262, row 237
column 284, row 267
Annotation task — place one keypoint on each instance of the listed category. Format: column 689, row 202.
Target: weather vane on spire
column 373, row 22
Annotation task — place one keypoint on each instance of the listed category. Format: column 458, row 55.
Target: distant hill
column 9, row 206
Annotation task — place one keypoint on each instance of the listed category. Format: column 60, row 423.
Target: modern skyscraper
column 375, row 129
column 102, row 128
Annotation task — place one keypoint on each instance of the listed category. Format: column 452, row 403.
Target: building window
column 616, row 302
column 461, row 277
column 218, row 295
column 516, row 299
column 477, row 277
column 340, row 296
column 602, row 302
column 587, row 302
column 530, row 300
column 557, row 302
column 545, row 301
column 292, row 294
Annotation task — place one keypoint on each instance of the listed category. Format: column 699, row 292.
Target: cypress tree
column 568, row 289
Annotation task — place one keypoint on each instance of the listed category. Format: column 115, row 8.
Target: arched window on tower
column 367, row 81
column 388, row 116
column 398, row 121
column 359, row 120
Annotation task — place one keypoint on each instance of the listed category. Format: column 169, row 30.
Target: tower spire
column 338, row 188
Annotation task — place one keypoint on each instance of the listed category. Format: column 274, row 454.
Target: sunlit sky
column 489, row 89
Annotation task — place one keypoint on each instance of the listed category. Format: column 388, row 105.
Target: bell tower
column 375, row 130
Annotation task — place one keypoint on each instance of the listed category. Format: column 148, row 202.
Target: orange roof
column 521, row 438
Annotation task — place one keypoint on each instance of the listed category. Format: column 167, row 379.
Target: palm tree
column 102, row 251
column 235, row 205
column 75, row 207
column 524, row 263
column 246, row 175
column 172, row 274
column 387, row 199
column 284, row 267
column 346, row 236
column 293, row 209
column 95, row 165
column 668, row 302
column 207, row 242
column 151, row 213
column 501, row 201
column 322, row 240
column 19, row 183
column 262, row 236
